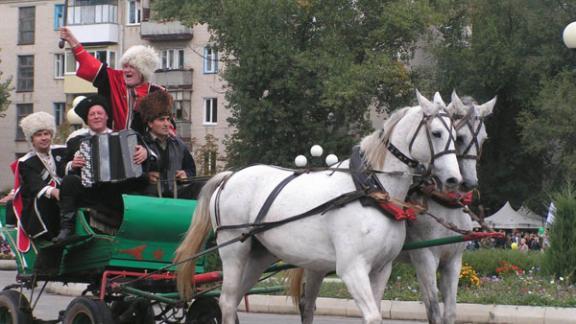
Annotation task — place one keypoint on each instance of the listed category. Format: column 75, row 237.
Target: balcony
column 174, row 79
column 94, row 24
column 164, row 31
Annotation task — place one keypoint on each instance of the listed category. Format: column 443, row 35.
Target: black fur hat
column 83, row 107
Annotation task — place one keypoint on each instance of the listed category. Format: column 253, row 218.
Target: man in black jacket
column 38, row 176
column 171, row 164
column 104, row 197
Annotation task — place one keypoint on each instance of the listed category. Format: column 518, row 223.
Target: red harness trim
column 399, row 213
column 458, row 199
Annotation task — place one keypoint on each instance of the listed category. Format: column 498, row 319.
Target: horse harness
column 468, row 120
column 425, row 123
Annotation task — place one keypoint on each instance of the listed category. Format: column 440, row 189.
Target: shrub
column 560, row 259
column 486, row 261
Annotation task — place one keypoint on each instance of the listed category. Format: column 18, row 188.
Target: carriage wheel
column 84, row 310
column 204, row 310
column 14, row 308
column 135, row 311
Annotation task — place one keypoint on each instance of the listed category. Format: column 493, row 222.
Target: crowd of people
column 513, row 239
column 49, row 181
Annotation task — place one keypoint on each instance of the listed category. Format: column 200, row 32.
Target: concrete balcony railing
column 164, row 31
column 174, row 79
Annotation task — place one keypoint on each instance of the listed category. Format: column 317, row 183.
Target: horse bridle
column 468, row 121
column 425, row 123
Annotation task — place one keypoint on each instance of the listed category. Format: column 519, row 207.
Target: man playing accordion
column 105, row 197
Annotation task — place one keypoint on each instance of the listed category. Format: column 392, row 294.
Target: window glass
column 25, row 73
column 134, row 12
column 58, row 66
column 59, row 108
column 26, row 25
column 210, row 110
column 22, row 110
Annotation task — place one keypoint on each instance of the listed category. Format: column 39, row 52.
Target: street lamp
column 569, row 35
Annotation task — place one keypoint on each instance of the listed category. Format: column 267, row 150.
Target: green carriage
column 128, row 271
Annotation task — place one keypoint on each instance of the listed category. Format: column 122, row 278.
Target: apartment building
column 43, row 75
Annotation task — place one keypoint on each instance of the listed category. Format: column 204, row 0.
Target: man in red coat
column 123, row 88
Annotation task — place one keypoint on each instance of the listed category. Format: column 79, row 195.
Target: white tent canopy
column 508, row 218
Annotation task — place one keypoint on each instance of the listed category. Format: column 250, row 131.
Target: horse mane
column 374, row 146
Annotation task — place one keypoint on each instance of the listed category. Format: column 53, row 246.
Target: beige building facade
column 43, row 75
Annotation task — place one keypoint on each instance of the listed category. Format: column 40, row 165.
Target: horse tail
column 294, row 279
column 197, row 233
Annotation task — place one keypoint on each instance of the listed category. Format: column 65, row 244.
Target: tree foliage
column 508, row 48
column 4, row 94
column 307, row 71
column 560, row 258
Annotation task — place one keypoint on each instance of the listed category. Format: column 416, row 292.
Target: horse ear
column 438, row 99
column 458, row 107
column 486, row 108
column 428, row 108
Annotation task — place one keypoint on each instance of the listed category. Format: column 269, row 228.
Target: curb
column 7, row 265
column 397, row 310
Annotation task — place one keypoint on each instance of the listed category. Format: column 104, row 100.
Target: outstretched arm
column 67, row 35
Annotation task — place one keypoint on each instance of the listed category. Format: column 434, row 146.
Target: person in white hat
column 38, row 176
column 122, row 88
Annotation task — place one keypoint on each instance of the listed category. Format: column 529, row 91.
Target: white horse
column 358, row 242
column 447, row 259
column 471, row 134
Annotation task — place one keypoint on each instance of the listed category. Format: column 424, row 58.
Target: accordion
column 109, row 157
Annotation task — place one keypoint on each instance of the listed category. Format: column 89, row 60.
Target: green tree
column 4, row 94
column 560, row 257
column 548, row 130
column 508, row 48
column 305, row 72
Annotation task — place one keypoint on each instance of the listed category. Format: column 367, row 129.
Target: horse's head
column 426, row 134
column 470, row 135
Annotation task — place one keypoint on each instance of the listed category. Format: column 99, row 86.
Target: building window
column 25, row 73
column 22, row 110
column 108, row 57
column 59, row 109
column 58, row 66
column 88, row 12
column 26, row 25
column 172, row 59
column 58, row 16
column 210, row 111
column 134, row 12
column 210, row 60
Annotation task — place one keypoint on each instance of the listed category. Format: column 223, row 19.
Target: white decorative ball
column 316, row 150
column 73, row 118
column 300, row 161
column 331, row 159
column 77, row 100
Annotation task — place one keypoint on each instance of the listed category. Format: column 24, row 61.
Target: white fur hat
column 36, row 122
column 142, row 58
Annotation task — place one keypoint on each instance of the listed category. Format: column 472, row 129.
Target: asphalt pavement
column 393, row 310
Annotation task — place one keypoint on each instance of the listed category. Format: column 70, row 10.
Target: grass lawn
column 504, row 277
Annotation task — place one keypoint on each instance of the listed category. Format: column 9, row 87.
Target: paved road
column 50, row 305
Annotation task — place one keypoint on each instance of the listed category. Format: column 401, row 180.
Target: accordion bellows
column 109, row 157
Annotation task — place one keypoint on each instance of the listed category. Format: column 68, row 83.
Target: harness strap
column 336, row 202
column 268, row 203
column 402, row 157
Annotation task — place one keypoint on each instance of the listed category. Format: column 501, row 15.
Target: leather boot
column 66, row 228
